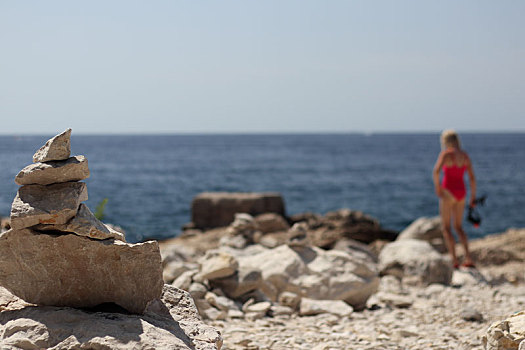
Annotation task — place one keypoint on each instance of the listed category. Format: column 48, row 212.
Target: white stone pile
column 58, row 253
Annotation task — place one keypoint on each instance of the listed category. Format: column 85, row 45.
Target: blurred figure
column 452, row 192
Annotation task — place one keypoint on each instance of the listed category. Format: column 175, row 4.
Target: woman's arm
column 435, row 174
column 472, row 181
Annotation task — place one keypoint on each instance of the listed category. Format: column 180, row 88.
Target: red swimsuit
column 453, row 181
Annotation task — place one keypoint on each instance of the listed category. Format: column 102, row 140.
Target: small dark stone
column 471, row 314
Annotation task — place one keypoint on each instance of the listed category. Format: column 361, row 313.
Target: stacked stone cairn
column 58, row 253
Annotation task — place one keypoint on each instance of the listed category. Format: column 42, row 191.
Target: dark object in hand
column 473, row 215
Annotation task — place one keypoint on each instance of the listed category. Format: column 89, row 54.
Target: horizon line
column 233, row 133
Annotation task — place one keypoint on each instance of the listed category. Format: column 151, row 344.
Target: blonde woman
column 452, row 192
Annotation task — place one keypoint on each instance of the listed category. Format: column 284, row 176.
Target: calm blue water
column 151, row 180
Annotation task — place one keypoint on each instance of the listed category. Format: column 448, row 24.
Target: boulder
column 290, row 300
column 325, row 231
column 84, row 223
column 426, row 229
column 416, row 261
column 506, row 334
column 51, row 204
column 467, row 277
column 338, row 275
column 217, row 209
column 70, row 270
column 498, row 249
column 316, row 273
column 169, row 323
column 217, row 264
column 315, row 307
column 357, row 225
column 56, row 148
column 245, row 280
column 271, row 222
column 71, row 169
column 357, row 249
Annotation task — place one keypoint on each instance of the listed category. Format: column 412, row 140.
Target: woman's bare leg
column 458, row 209
column 446, row 205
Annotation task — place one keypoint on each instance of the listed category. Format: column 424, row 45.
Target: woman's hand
column 472, row 202
column 439, row 191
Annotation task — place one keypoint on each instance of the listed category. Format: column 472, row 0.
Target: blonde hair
column 450, row 138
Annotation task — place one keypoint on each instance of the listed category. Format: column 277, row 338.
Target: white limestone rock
column 71, row 169
column 51, row 204
column 84, row 223
column 471, row 277
column 416, row 260
column 184, row 280
column 426, row 229
column 506, row 334
column 394, row 300
column 56, row 148
column 171, row 322
column 220, row 302
column 310, row 307
column 316, row 273
column 217, row 264
column 70, row 270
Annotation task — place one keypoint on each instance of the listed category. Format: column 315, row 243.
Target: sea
column 150, row 180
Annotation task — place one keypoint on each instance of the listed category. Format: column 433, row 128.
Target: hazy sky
column 261, row 66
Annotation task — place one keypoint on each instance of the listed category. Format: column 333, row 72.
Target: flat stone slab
column 84, row 223
column 69, row 270
column 51, row 204
column 217, row 209
column 56, row 148
column 71, row 169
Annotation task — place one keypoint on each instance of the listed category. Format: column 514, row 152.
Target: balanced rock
column 84, row 223
column 56, row 148
column 217, row 209
column 70, row 270
column 71, row 169
column 51, row 204
column 416, row 260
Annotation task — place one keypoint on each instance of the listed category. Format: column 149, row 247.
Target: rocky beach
column 340, row 281
column 243, row 275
